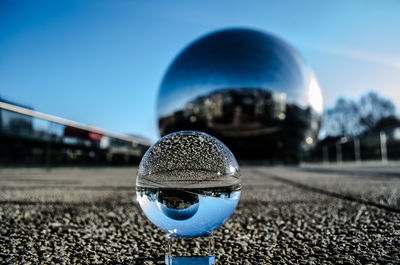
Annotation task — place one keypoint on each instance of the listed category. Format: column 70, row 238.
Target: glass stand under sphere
column 190, row 250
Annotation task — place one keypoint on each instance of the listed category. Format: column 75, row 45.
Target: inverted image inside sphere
column 188, row 183
column 188, row 159
column 248, row 88
column 178, row 204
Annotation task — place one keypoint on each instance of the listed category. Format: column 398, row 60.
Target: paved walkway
column 293, row 215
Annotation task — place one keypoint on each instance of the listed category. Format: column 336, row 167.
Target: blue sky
column 101, row 62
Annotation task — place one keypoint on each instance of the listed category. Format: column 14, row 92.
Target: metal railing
column 380, row 146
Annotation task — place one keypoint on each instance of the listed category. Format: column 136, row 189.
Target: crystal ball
column 188, row 183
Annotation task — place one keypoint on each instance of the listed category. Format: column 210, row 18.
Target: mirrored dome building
column 248, row 88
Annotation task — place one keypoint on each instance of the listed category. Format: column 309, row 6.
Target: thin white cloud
column 364, row 56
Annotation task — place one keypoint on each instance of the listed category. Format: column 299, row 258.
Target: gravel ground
column 81, row 216
column 379, row 186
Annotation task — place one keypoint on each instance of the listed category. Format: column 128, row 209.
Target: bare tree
column 351, row 118
column 373, row 109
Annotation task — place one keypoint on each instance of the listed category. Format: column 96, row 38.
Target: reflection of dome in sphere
column 248, row 88
column 178, row 204
column 188, row 183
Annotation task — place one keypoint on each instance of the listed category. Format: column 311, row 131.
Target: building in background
column 248, row 88
column 31, row 138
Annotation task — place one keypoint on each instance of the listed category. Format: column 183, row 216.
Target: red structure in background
column 31, row 138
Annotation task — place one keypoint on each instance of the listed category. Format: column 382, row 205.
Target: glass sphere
column 188, row 183
column 248, row 88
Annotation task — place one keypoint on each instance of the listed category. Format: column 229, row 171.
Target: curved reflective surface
column 188, row 183
column 178, row 204
column 249, row 89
